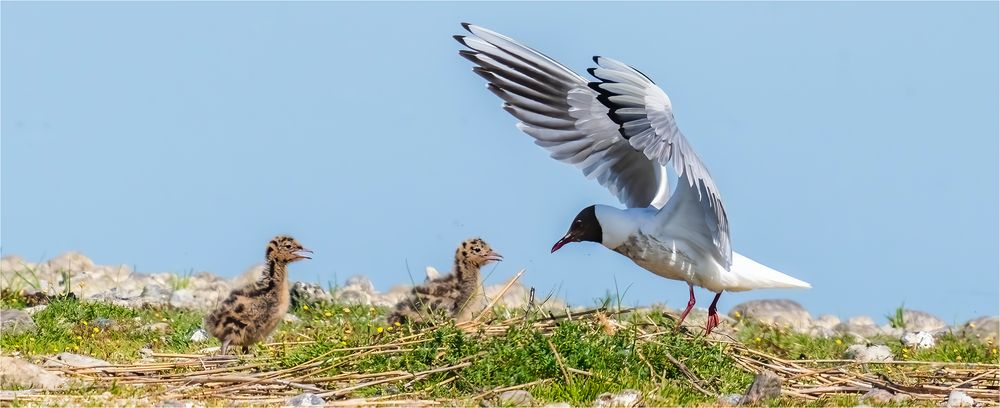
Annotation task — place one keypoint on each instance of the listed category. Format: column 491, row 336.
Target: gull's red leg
column 713, row 315
column 690, row 305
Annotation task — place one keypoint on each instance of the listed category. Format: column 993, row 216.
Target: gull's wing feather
column 556, row 107
column 646, row 120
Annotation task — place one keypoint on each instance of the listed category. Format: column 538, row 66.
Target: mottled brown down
column 252, row 312
column 451, row 294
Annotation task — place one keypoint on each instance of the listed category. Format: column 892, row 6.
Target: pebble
column 199, row 335
column 75, row 360
column 876, row 395
column 13, row 322
column 558, row 405
column 766, row 385
column 864, row 354
column 920, row 339
column 777, row 312
column 160, row 327
column 305, row 400
column 20, row 373
column 730, row 400
column 303, row 293
column 917, row 321
column 623, row 399
column 31, row 311
column 520, row 398
column 984, row 328
column 859, row 326
column 959, row 399
column 178, row 404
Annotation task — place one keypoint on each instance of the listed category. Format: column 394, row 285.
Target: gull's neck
column 618, row 225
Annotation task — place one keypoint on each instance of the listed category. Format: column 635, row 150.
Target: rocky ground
column 73, row 273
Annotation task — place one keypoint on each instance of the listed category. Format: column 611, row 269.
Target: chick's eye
column 476, row 250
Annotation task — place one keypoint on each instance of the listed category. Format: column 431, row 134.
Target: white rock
column 305, row 400
column 70, row 262
column 624, row 399
column 778, row 312
column 360, row 282
column 984, row 328
column 959, row 399
column 861, row 326
column 75, row 360
column 920, row 339
column 876, row 395
column 35, row 309
column 826, row 320
column 20, row 373
column 431, row 273
column 199, row 335
column 13, row 321
column 916, row 320
column 517, row 398
column 864, row 354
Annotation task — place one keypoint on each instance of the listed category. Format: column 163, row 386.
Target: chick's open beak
column 300, row 252
column 493, row 256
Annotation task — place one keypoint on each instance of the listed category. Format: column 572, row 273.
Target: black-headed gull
column 620, row 129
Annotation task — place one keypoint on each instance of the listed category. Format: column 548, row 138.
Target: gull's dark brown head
column 585, row 227
column 477, row 252
column 286, row 249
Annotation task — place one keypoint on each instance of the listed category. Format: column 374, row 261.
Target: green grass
column 614, row 360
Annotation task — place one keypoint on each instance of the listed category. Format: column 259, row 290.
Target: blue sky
column 855, row 144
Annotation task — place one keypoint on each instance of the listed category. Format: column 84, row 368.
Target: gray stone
column 558, row 405
column 520, row 398
column 104, row 324
column 864, row 354
column 876, row 395
column 826, row 320
column 179, row 404
column 308, row 294
column 959, row 399
column 183, row 298
column 160, row 327
column 75, row 360
column 13, row 322
column 199, row 335
column 890, row 331
column 623, row 399
column 777, row 312
column 290, row 318
column 766, row 385
column 352, row 297
column 305, row 400
column 822, row 332
column 916, row 321
column 918, row 340
column 983, row 328
column 360, row 282
column 861, row 326
column 31, row 311
column 22, row 374
column 69, row 262
column 729, row 400
column 901, row 398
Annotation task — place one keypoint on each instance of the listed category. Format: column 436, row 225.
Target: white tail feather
column 752, row 275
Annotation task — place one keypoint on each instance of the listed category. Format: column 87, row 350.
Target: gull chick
column 620, row 129
column 252, row 312
column 448, row 295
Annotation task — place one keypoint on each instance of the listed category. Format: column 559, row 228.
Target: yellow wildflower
column 97, row 330
column 380, row 330
column 397, row 324
column 389, row 328
column 736, row 314
column 343, row 343
column 838, row 341
column 958, row 358
column 83, row 322
column 347, row 310
column 305, row 307
column 327, row 314
column 757, row 339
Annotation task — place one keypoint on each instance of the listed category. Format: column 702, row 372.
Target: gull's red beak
column 563, row 241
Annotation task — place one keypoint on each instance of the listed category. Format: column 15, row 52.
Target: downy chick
column 448, row 295
column 252, row 312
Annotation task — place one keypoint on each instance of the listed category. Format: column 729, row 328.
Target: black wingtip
column 460, row 39
column 592, row 71
column 596, row 58
column 467, row 27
